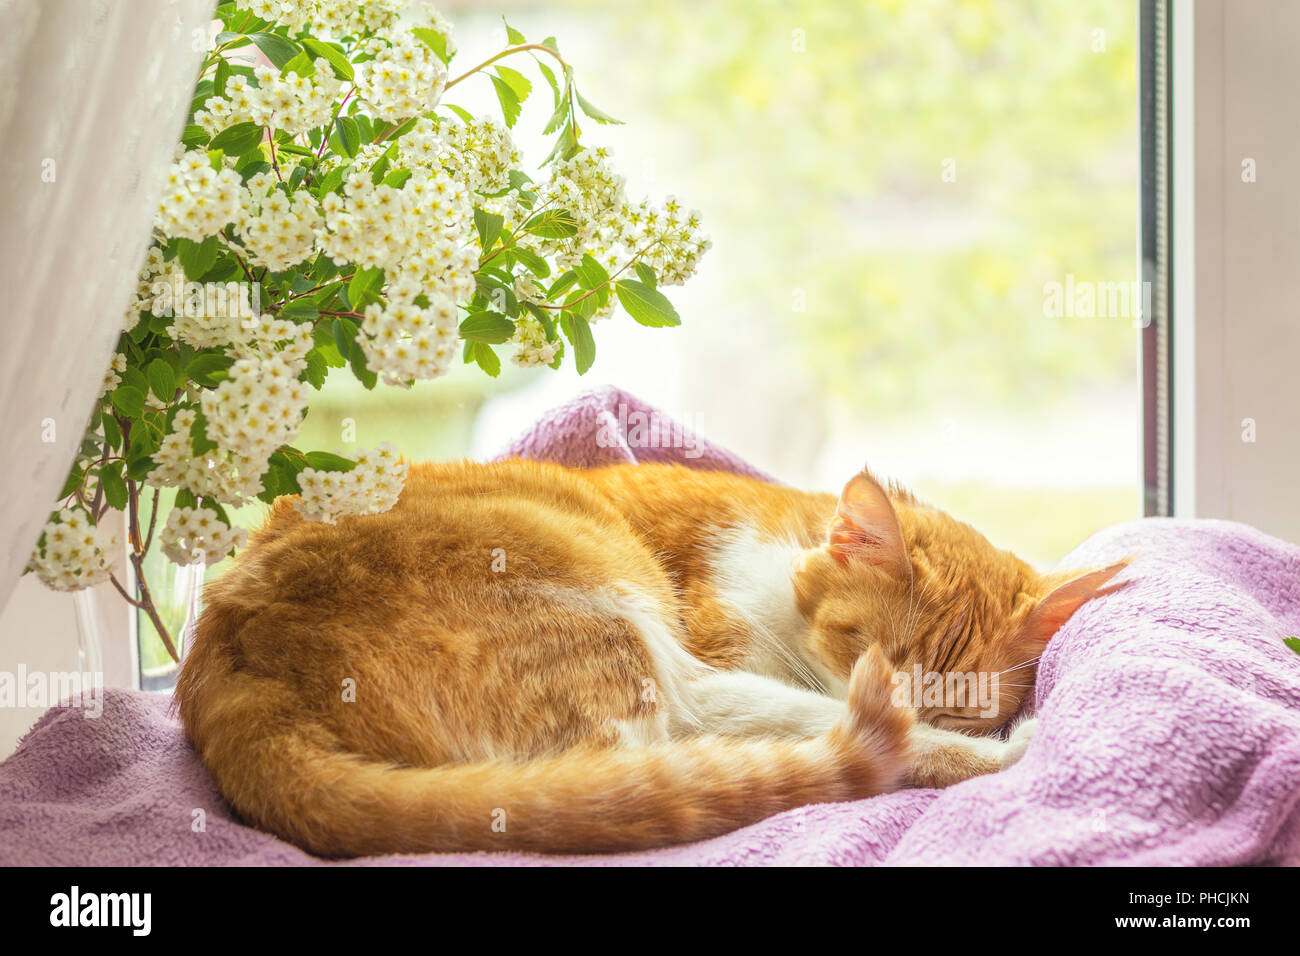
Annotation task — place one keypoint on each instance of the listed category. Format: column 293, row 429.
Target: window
column 923, row 222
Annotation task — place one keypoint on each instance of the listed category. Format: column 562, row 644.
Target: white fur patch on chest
column 751, row 576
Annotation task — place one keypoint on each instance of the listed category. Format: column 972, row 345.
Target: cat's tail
column 333, row 803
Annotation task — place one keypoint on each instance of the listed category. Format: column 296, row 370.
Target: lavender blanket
column 1169, row 729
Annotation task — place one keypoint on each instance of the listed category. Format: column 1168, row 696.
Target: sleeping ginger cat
column 525, row 656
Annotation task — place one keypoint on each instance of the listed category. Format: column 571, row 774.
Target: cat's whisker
column 789, row 658
column 909, row 626
column 920, row 611
column 1029, row 663
column 893, row 633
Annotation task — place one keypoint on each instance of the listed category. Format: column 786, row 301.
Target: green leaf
column 345, row 335
column 136, row 379
column 513, row 35
column 198, row 257
column 590, row 272
column 208, row 368
column 222, row 76
column 559, row 117
column 460, row 111
column 519, row 83
column 138, row 468
column 281, row 478
column 578, row 332
column 565, row 146
column 113, row 485
column 1293, row 643
column 365, row 127
column 532, row 261
column 397, row 178
column 194, row 136
column 562, row 284
column 332, row 180
column 492, row 327
column 162, row 380
column 552, row 224
column 582, row 303
column 434, row 40
column 349, row 135
column 300, row 310
column 483, row 354
column 238, row 139
column 357, row 360
column 185, row 499
column 647, row 275
column 200, row 443
column 364, row 281
column 509, row 99
column 316, row 369
column 646, row 304
column 301, row 64
column 112, row 435
column 600, row 116
column 144, row 441
column 72, row 483
column 128, row 400
column 550, row 78
column 339, row 62
column 489, row 227
column 278, row 49
column 325, row 461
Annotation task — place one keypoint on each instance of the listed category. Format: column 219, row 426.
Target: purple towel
column 1169, row 731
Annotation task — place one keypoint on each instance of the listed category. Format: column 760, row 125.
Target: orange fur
column 526, row 707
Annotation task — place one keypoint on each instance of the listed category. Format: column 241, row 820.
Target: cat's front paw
column 1021, row 737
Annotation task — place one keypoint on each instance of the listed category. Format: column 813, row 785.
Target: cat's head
column 949, row 609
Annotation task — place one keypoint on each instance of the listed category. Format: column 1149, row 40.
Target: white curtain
column 93, row 95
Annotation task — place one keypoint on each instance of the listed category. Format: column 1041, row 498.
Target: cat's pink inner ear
column 1058, row 606
column 865, row 526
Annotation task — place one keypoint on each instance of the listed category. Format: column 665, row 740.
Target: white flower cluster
column 198, row 200
column 196, row 319
column 336, row 18
column 194, row 535
column 405, row 80
column 257, row 408
column 143, row 298
column 526, row 289
column 591, row 192
column 418, row 233
column 373, row 486
column 73, row 553
column 385, row 226
column 532, row 348
column 278, row 230
column 219, row 474
column 671, row 238
column 480, row 152
column 113, row 377
column 286, row 101
column 615, row 231
column 406, row 343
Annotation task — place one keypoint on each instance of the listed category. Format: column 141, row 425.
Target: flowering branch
column 321, row 214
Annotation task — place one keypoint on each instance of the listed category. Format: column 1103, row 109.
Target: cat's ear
column 1061, row 602
column 866, row 528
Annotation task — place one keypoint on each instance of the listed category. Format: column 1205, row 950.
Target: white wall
column 1236, row 261
column 38, row 632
